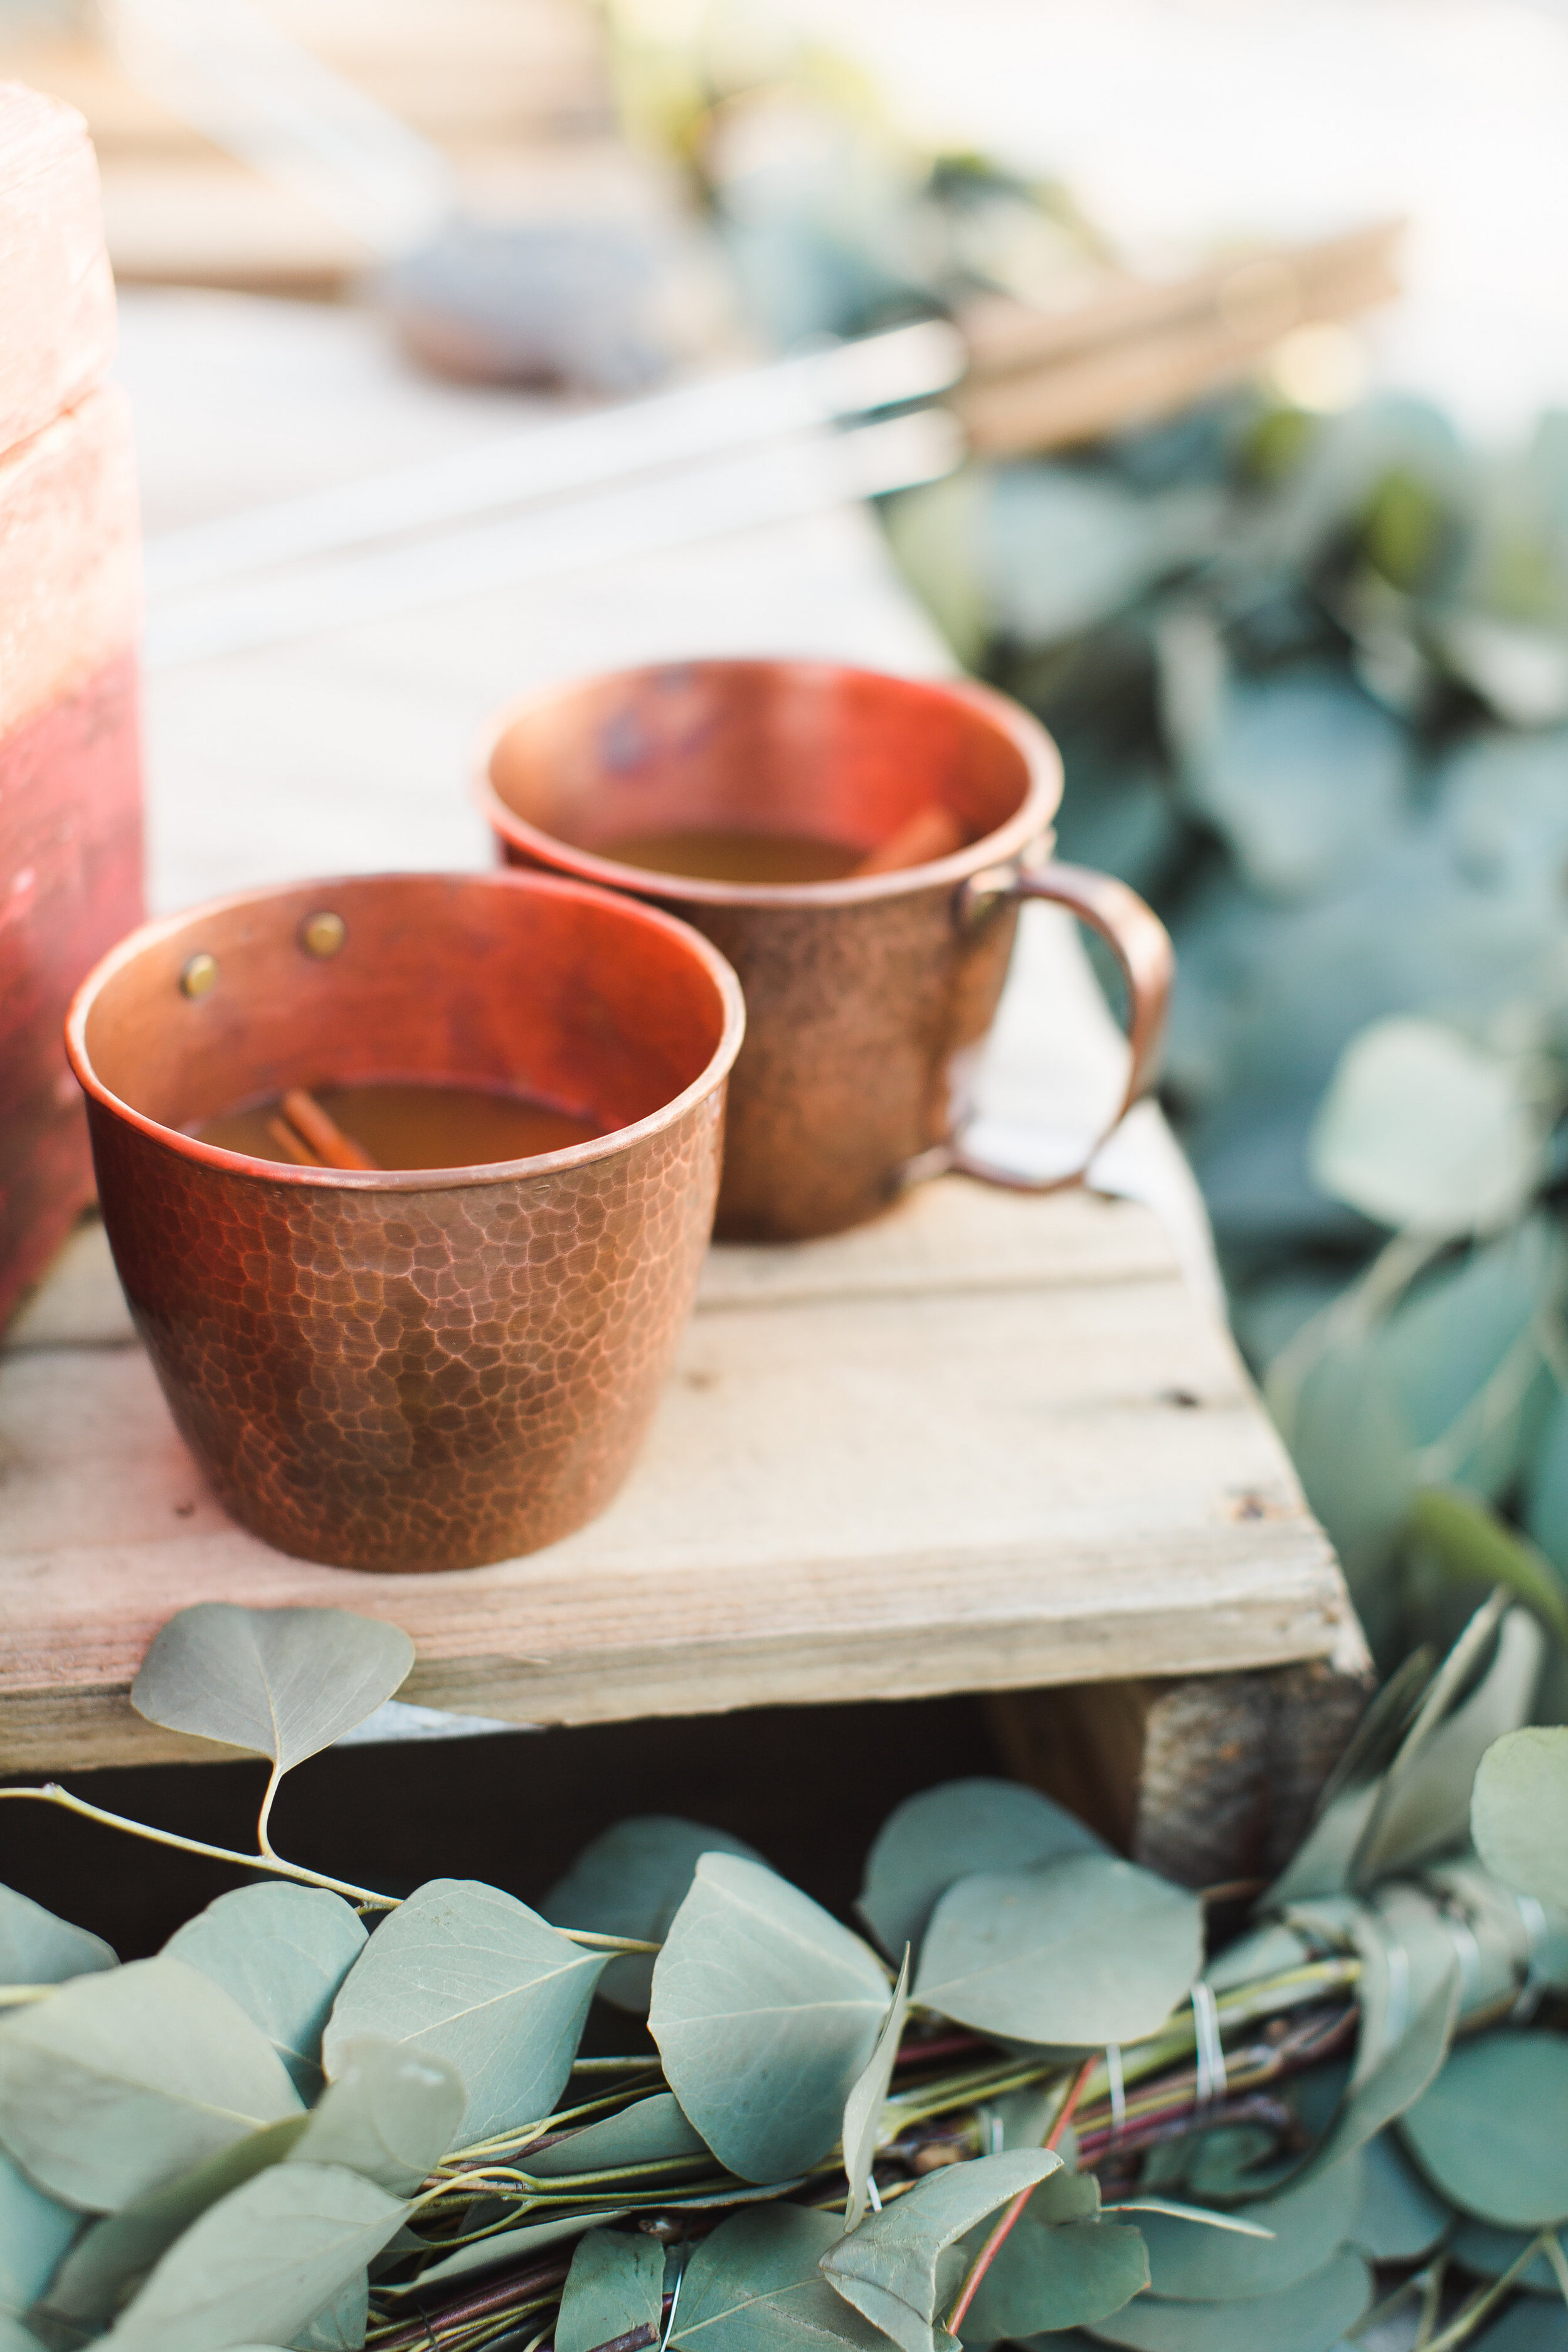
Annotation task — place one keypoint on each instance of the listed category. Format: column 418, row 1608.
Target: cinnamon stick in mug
column 931, row 833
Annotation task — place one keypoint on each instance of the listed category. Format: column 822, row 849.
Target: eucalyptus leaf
column 766, row 2012
column 114, row 2254
column 465, row 1973
column 615, row 2284
column 1424, row 1807
column 1487, row 2252
column 948, row 1833
column 1423, row 1129
column 863, row 2107
column 341, row 2327
column 505, row 2247
column 1193, row 2265
column 631, row 1881
column 122, row 2081
column 281, row 1682
column 34, row 2233
column 755, row 2286
column 1311, row 2316
column 390, row 2112
column 1070, row 1953
column 1398, row 2218
column 1058, row 2266
column 283, row 1952
column 1491, row 2133
column 649, row 2131
column 1396, row 2081
column 260, row 2265
column 15, row 2338
column 892, row 2268
column 1519, row 1812
column 37, row 1949
column 1472, row 1542
column 1320, row 1865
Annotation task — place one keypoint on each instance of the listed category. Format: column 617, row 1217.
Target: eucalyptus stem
column 1467, row 2319
column 364, row 1896
column 12, row 1996
column 49, row 1794
column 1014, row 2212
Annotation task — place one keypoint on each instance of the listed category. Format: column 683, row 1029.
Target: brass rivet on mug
column 323, row 934
column 199, row 974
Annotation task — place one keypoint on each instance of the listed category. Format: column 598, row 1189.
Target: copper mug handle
column 1141, row 946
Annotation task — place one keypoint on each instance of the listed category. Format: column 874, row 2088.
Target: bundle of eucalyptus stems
column 680, row 2104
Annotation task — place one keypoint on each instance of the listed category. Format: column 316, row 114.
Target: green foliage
column 615, row 2284
column 123, row 2080
column 756, row 2285
column 466, row 1974
column 283, row 1952
column 1060, row 2266
column 1309, row 2316
column 842, row 2165
column 949, row 1833
column 893, row 2268
column 766, row 2012
column 37, row 1949
column 260, row 2265
column 1083, row 1951
column 1520, row 1813
column 1491, row 2133
column 631, row 1882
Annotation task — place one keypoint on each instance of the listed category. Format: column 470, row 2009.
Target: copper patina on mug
column 866, row 998
column 421, row 1367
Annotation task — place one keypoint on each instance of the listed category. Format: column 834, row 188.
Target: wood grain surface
column 986, row 1443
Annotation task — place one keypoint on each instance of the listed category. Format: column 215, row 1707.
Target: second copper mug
column 866, row 997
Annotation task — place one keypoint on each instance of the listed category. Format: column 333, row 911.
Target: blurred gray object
column 589, row 303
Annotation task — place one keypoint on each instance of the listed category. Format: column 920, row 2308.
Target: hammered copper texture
column 413, row 1370
column 864, row 998
column 420, row 1379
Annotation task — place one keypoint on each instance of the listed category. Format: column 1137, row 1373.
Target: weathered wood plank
column 845, row 1495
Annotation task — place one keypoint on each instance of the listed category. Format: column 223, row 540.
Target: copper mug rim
column 1028, row 822
column 407, row 1180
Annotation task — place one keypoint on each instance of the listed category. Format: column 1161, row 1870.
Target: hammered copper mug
column 411, row 1368
column 866, row 998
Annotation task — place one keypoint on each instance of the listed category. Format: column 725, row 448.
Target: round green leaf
column 283, row 1683
column 1420, row 1128
column 390, row 2114
column 650, row 2131
column 615, row 2284
column 764, row 2010
column 1398, row 2218
column 37, row 1949
column 115, row 2254
column 118, row 2082
column 755, row 2286
column 1058, row 2266
column 262, row 2264
column 34, row 2233
column 282, row 1951
column 892, row 2268
column 948, row 1833
column 1518, row 1812
column 1491, row 2133
column 631, row 1882
column 1078, row 1952
column 465, row 1973
column 1192, row 2263
column 1311, row 2316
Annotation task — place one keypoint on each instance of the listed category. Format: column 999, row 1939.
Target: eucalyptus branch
column 1468, row 2318
column 1014, row 2212
column 49, row 1794
column 364, row 1897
